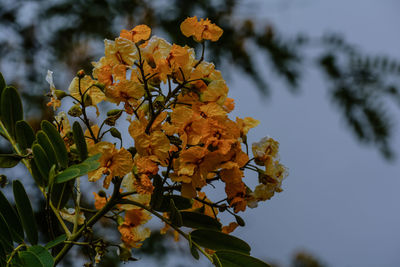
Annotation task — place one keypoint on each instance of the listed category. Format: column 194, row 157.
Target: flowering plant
column 177, row 109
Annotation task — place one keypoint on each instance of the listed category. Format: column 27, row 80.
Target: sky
column 340, row 200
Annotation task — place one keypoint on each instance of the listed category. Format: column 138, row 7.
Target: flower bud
column 240, row 220
column 80, row 74
column 114, row 112
column 75, row 111
column 101, row 193
column 115, row 133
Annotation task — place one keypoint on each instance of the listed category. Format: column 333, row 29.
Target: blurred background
column 321, row 76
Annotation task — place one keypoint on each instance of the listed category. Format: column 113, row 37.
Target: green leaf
column 37, row 176
column 11, row 109
column 193, row 249
column 44, row 256
column 175, row 215
column 9, row 160
column 17, row 232
column 25, row 212
column 5, row 235
column 61, row 193
column 2, row 86
column 2, row 254
column 80, row 142
column 237, row 259
column 68, row 174
column 198, row 220
column 30, row 259
column 90, row 164
column 57, row 142
column 181, row 203
column 42, row 161
column 44, row 141
column 216, row 240
column 58, row 240
column 24, row 135
column 157, row 196
column 216, row 261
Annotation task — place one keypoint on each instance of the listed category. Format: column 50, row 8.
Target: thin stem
column 74, row 237
column 126, row 201
column 77, row 204
column 13, row 253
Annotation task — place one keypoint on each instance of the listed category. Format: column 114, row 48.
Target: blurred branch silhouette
column 64, row 36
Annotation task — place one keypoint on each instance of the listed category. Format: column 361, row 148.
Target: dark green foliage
column 198, row 220
column 216, row 240
column 43, row 255
column 2, row 86
column 44, row 141
column 181, row 203
column 11, row 109
column 58, row 240
column 42, row 162
column 17, row 232
column 24, row 134
column 25, row 212
column 9, row 160
column 80, row 141
column 30, row 259
column 237, row 259
column 174, row 215
column 90, row 164
column 5, row 236
column 61, row 193
column 57, row 142
column 157, row 196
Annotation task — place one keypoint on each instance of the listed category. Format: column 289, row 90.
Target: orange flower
column 230, row 228
column 120, row 51
column 207, row 209
column 132, row 231
column 126, row 91
column 86, row 84
column 99, row 202
column 234, row 188
column 137, row 34
column 200, row 30
column 103, row 71
column 113, row 162
column 246, row 124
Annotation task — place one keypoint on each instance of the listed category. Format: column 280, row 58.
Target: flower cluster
column 177, row 108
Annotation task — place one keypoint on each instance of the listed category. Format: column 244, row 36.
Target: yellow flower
column 113, row 162
column 246, row 124
column 120, row 51
column 86, row 84
column 264, row 148
column 125, row 91
column 216, row 91
column 137, row 34
column 132, row 231
column 200, row 30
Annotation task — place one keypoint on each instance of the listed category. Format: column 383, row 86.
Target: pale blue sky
column 341, row 199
